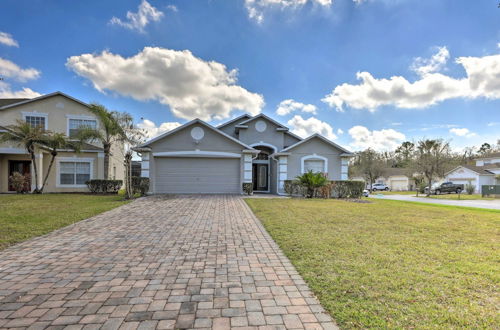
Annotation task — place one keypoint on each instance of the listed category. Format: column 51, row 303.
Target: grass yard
column 391, row 264
column 26, row 216
column 462, row 197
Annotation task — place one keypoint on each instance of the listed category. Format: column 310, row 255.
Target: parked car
column 379, row 187
column 445, row 187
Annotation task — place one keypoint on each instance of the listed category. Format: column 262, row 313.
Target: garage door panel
column 197, row 175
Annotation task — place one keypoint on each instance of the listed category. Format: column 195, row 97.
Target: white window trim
column 264, row 144
column 73, row 160
column 37, row 114
column 69, row 117
column 316, row 157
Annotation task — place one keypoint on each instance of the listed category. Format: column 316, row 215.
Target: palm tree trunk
column 35, row 170
column 107, row 151
column 48, row 171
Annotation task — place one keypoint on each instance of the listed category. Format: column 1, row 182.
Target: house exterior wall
column 270, row 135
column 289, row 140
column 464, row 176
column 320, row 148
column 398, row 182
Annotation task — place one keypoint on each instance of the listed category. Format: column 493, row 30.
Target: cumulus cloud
column 138, row 21
column 482, row 81
column 10, row 69
column 306, row 127
column 25, row 93
column 151, row 130
column 340, row 131
column 288, row 106
column 256, row 8
column 7, row 39
column 464, row 132
column 190, row 86
column 385, row 139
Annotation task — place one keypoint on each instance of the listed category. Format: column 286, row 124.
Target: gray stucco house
column 200, row 158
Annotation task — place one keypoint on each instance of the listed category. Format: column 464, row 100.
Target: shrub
column 312, row 181
column 20, row 182
column 248, row 188
column 104, row 186
column 470, row 188
column 331, row 189
column 140, row 185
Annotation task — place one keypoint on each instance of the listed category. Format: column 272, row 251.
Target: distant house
column 484, row 172
column 395, row 178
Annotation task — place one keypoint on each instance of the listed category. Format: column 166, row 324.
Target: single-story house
column 200, row 158
column 395, row 178
column 484, row 172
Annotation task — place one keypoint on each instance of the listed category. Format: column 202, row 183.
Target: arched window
column 314, row 163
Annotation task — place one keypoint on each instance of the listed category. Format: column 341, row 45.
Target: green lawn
column 26, row 216
column 462, row 197
column 391, row 264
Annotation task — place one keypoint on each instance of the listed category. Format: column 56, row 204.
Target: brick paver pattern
column 162, row 262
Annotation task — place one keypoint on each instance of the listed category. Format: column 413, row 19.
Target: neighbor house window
column 75, row 125
column 74, row 173
column 36, row 121
column 315, row 165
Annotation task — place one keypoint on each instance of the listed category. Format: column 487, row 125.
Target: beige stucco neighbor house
column 200, row 158
column 394, row 178
column 56, row 112
column 484, row 172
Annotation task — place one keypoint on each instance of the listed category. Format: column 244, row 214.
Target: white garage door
column 197, row 175
column 399, row 185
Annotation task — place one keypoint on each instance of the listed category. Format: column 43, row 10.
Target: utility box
column 487, row 190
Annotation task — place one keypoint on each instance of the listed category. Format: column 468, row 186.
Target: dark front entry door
column 260, row 177
column 23, row 167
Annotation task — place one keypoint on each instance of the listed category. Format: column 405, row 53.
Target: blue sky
column 366, row 73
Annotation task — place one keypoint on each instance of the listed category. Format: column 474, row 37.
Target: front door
column 260, row 177
column 23, row 167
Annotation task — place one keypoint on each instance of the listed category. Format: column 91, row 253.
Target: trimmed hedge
column 140, row 185
column 334, row 189
column 104, row 186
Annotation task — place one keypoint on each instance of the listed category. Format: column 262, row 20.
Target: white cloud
column 493, row 123
column 340, row 131
column 25, row 93
column 424, row 66
column 385, row 139
column 256, row 8
column 306, row 127
column 10, row 69
column 288, row 106
column 173, row 8
column 6, row 39
column 138, row 21
column 482, row 80
column 151, row 130
column 462, row 132
column 396, row 124
column 190, row 86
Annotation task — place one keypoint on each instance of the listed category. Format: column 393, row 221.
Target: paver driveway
column 159, row 262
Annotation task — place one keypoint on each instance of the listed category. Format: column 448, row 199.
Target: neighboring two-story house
column 61, row 113
column 200, row 158
column 485, row 171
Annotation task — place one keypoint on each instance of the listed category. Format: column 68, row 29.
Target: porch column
column 282, row 173
column 344, row 172
column 40, row 172
column 247, row 168
column 100, row 165
column 145, row 165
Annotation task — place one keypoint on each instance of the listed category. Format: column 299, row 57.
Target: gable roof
column 347, row 153
column 4, row 102
column 26, row 101
column 393, row 171
column 192, row 122
column 261, row 115
column 481, row 170
column 242, row 118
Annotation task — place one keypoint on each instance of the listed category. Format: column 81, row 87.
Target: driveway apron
column 162, row 262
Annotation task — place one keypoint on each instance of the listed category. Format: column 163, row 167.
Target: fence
column 490, row 190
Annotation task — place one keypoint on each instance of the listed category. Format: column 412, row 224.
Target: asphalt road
column 484, row 204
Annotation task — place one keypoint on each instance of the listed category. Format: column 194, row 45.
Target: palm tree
column 112, row 130
column 312, row 181
column 27, row 136
column 55, row 142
